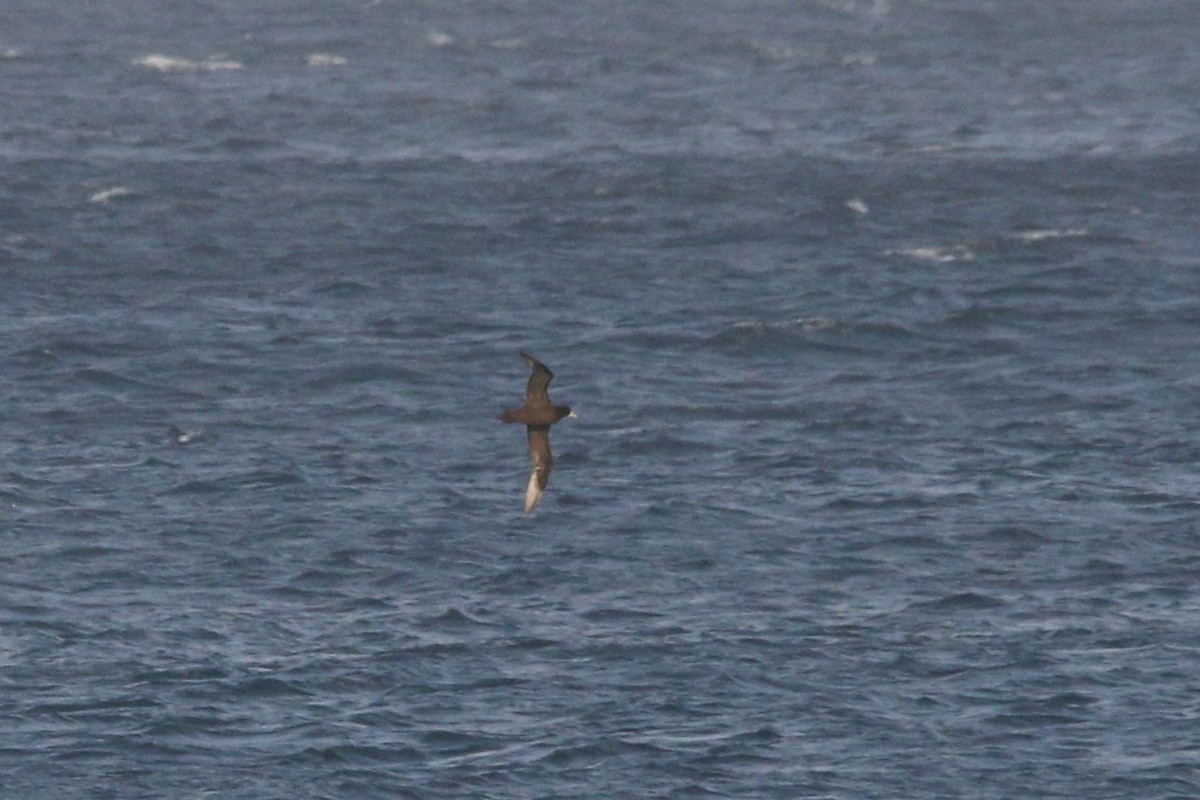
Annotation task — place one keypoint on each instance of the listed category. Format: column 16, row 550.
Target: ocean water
column 880, row 318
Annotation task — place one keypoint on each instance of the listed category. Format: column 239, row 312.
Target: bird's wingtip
column 533, row 493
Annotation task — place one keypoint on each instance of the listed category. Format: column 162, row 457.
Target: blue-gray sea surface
column 881, row 319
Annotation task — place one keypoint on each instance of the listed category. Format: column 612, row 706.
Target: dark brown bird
column 538, row 414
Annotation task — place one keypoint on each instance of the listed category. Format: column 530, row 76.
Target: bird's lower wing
column 539, row 455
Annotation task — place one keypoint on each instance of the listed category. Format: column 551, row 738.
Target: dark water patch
column 320, row 580
column 156, row 463
column 345, row 288
column 37, row 357
column 759, row 339
column 244, row 145
column 61, row 348
column 580, row 755
column 446, row 743
column 1031, row 720
column 874, row 501
column 998, row 314
column 113, row 381
column 747, row 750
column 519, row 580
column 265, row 687
column 29, row 481
column 663, row 443
column 193, row 674
column 451, row 619
column 914, row 541
column 345, row 755
column 1175, row 450
column 610, row 614
column 252, row 480
column 1015, row 535
column 962, row 601
column 640, row 339
column 339, row 375
column 533, row 644
column 112, row 708
column 1070, row 700
column 87, row 552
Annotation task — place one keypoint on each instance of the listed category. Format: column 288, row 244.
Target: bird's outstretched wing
column 539, row 455
column 537, row 393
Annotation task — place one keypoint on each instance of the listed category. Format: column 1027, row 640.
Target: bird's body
column 538, row 414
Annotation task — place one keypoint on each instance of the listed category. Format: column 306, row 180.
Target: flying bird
column 538, row 414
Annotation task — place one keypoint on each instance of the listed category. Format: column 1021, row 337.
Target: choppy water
column 881, row 319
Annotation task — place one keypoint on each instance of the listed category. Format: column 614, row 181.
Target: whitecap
column 110, row 194
column 859, row 60
column 171, row 64
column 325, row 60
column 1049, row 233
column 940, row 255
column 817, row 324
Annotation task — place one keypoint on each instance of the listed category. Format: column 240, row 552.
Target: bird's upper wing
column 537, row 392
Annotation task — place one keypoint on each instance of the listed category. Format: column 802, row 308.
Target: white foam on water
column 106, row 195
column 940, row 255
column 325, row 60
column 164, row 63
